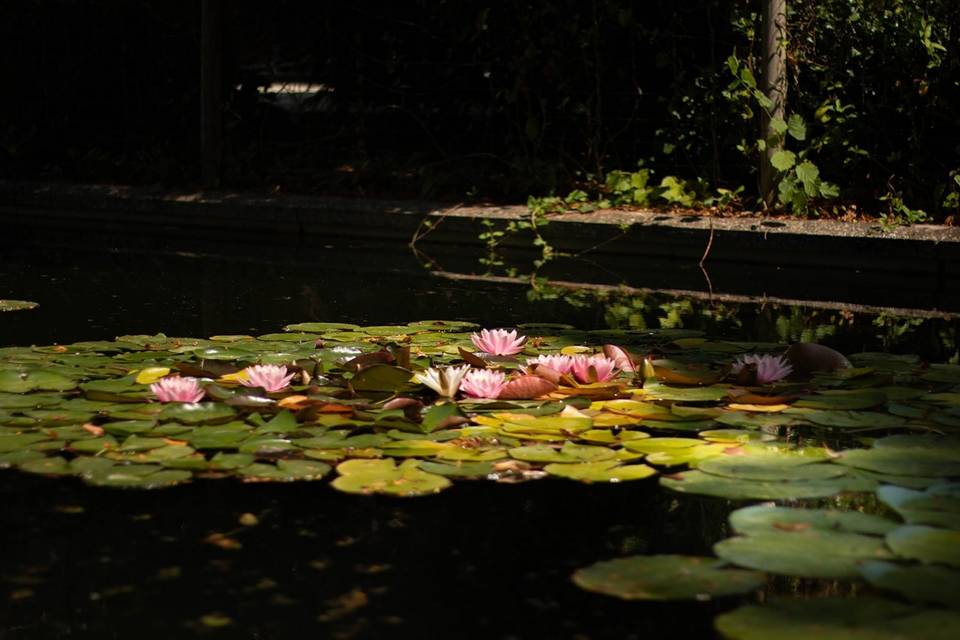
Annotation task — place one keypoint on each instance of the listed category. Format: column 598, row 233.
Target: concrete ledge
column 910, row 267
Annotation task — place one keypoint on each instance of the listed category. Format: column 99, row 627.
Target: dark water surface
column 222, row 559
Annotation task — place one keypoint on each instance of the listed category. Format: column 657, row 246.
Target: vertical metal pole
column 774, row 59
column 211, row 92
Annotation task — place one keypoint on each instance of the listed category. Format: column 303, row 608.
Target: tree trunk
column 211, row 92
column 773, row 36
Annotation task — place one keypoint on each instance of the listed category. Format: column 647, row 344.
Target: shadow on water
column 225, row 559
column 479, row 561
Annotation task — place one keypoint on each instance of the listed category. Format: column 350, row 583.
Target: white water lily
column 445, row 381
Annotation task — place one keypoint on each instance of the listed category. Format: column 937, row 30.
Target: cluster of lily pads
column 403, row 409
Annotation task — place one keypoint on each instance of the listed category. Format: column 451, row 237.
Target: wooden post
column 773, row 34
column 211, row 92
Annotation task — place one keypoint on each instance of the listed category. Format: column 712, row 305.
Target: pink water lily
column 560, row 363
column 770, row 368
column 595, row 368
column 483, row 383
column 271, row 377
column 498, row 342
column 177, row 389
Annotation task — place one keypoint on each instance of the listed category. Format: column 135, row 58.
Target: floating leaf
column 285, row 471
column 853, row 419
column 457, row 469
column 844, row 400
column 606, row 471
column 707, row 484
column 658, row 391
column 926, row 544
column 24, row 380
column 766, row 518
column 384, row 476
column 863, row 618
column 17, row 305
column 923, row 583
column 55, row 466
column 920, row 507
column 809, row 553
column 782, row 466
column 197, row 412
column 903, row 461
column 666, row 577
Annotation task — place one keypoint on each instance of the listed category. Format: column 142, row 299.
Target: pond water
column 278, row 560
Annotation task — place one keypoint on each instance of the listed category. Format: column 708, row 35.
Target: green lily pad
column 854, row 419
column 920, row 507
column 766, row 518
column 385, row 476
column 701, row 483
column 224, row 436
column 734, row 435
column 569, row 453
column 15, row 442
column 227, row 461
column 914, row 461
column 926, row 544
column 605, row 471
column 861, row 618
column 285, row 471
column 692, row 456
column 666, row 577
column 809, row 553
column 14, row 458
column 136, row 476
column 198, row 412
column 384, row 378
column 658, row 391
column 94, row 446
column 656, row 445
column 457, row 469
column 920, row 583
column 25, row 380
column 843, row 400
column 770, row 467
column 748, row 420
column 55, row 466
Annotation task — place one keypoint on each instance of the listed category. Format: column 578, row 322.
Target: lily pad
column 808, row 553
column 926, row 544
column 198, row 412
column 17, row 305
column 384, row 476
column 926, row 462
column 25, row 380
column 920, row 583
column 854, row 419
column 770, row 467
column 920, row 507
column 701, row 483
column 766, row 518
column 666, row 577
column 285, row 471
column 605, row 471
column 861, row 618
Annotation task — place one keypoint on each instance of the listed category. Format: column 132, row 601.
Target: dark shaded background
column 475, row 100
